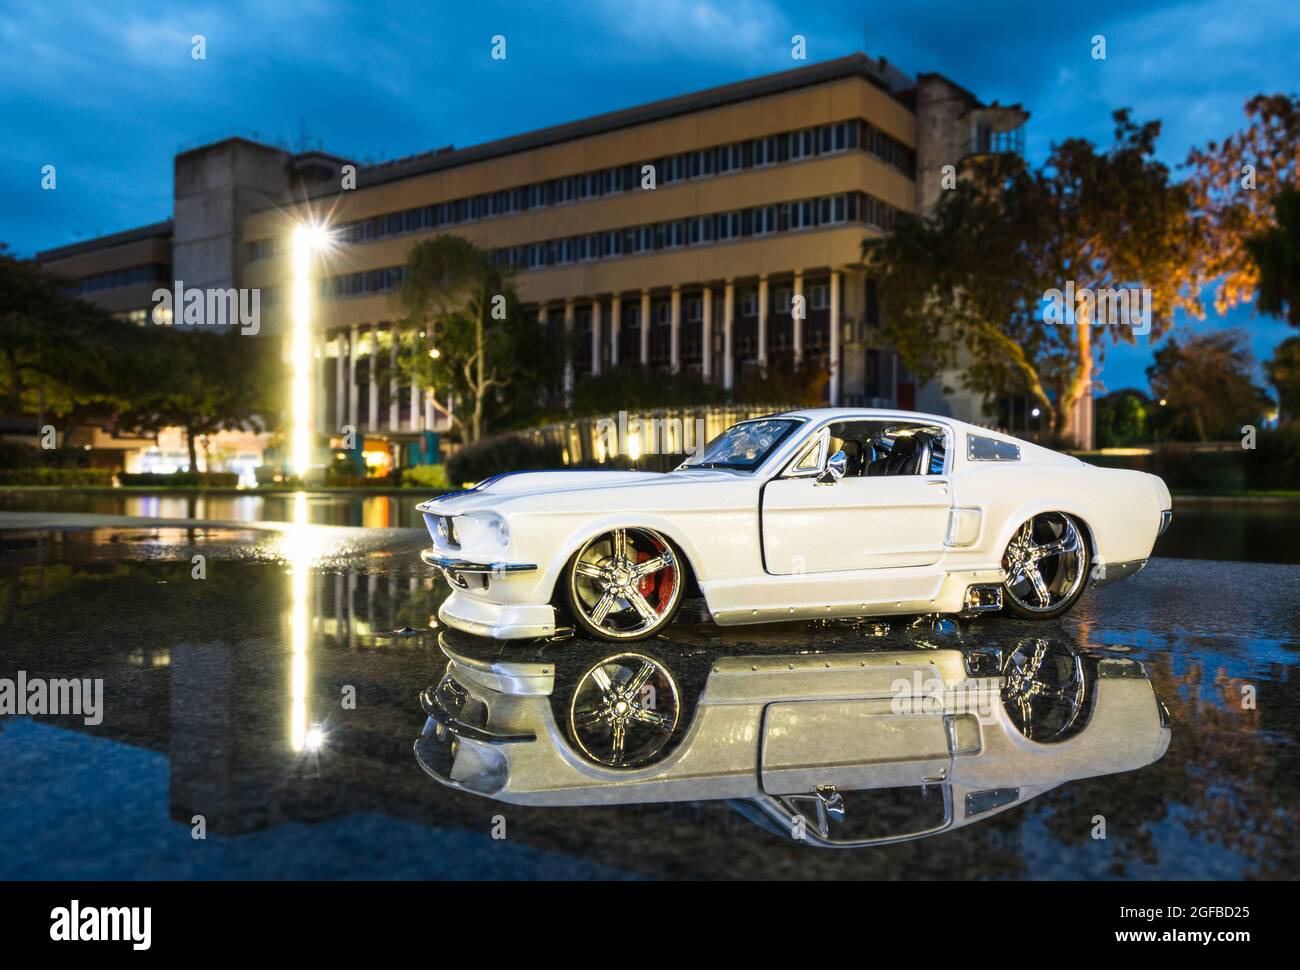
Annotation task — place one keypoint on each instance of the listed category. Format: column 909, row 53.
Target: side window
column 810, row 460
column 979, row 448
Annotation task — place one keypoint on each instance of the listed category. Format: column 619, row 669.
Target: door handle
column 944, row 484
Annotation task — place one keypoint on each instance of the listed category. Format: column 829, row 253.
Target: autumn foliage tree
column 962, row 287
column 1276, row 254
column 1235, row 187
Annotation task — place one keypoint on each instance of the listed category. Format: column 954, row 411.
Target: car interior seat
column 903, row 458
column 857, row 458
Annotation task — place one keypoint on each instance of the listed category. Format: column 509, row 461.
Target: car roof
column 821, row 414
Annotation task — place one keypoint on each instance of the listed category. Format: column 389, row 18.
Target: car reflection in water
column 844, row 748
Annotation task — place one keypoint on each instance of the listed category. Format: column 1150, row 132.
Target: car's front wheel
column 1046, row 564
column 625, row 711
column 625, row 584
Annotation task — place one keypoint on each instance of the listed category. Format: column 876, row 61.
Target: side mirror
column 836, row 465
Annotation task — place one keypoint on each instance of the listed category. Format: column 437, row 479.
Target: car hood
column 515, row 486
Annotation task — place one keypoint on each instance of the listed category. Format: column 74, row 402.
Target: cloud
column 737, row 30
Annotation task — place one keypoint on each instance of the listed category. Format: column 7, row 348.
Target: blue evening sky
column 107, row 92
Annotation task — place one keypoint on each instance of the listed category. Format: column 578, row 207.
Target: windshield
column 744, row 446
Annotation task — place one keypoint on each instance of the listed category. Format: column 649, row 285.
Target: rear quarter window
column 980, row 448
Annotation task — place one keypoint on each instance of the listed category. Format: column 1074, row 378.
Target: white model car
column 807, row 514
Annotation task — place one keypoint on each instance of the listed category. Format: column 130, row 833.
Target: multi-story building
column 679, row 235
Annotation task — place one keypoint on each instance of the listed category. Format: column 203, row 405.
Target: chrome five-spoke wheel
column 624, row 710
column 625, row 584
column 1043, row 689
column 1046, row 564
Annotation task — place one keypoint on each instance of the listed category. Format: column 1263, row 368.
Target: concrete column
column 835, row 339
column 615, row 325
column 318, row 392
column 798, row 320
column 339, row 620
column 371, row 423
column 645, row 327
column 340, row 385
column 676, row 330
column 394, row 419
column 595, row 336
column 352, row 611
column 707, row 332
column 352, row 377
column 414, row 420
column 728, row 325
column 428, row 409
column 568, row 353
column 762, row 321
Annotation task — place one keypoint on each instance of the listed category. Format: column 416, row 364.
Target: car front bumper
column 500, row 621
column 456, row 570
column 471, row 609
column 458, row 754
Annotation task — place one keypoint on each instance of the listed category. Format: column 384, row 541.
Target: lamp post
column 309, row 239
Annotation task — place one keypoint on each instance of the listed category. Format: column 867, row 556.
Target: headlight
column 476, row 528
column 442, row 531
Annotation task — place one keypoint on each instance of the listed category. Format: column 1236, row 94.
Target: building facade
column 679, row 235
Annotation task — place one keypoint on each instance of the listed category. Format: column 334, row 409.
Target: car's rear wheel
column 1044, row 689
column 625, row 584
column 1046, row 564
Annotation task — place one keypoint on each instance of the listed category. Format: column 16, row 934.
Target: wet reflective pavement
column 223, row 698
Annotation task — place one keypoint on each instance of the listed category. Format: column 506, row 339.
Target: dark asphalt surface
column 207, row 681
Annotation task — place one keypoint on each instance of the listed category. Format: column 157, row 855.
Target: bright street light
column 309, row 239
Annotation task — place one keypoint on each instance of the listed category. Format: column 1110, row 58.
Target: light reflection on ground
column 212, row 688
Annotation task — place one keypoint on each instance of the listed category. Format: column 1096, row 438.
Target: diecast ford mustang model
column 819, row 513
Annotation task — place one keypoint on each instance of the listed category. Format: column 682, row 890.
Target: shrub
column 1183, row 469
column 432, row 477
column 68, row 477
column 1275, row 462
column 504, row 453
column 15, row 455
column 180, row 479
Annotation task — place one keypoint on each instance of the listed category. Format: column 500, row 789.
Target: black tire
column 627, row 619
column 626, row 711
column 1062, row 579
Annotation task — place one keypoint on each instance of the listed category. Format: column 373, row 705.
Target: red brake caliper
column 651, row 582
column 647, row 584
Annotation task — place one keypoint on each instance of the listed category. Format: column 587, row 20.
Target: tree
column 963, row 286
column 477, row 342
column 59, row 353
column 1276, row 255
column 1121, row 418
column 207, row 381
column 1234, row 188
column 1284, row 374
column 786, row 384
column 1206, row 380
column 633, row 387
